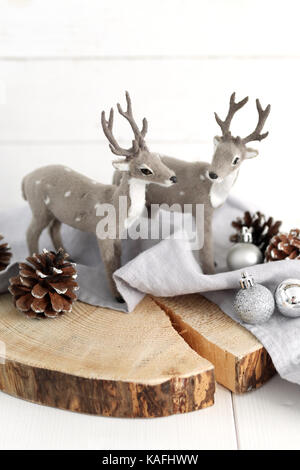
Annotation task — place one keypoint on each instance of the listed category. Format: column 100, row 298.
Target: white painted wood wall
column 61, row 63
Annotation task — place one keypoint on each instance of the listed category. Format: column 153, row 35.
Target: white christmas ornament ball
column 254, row 303
column 244, row 253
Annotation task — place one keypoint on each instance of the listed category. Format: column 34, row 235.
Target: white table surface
column 267, row 418
column 61, row 63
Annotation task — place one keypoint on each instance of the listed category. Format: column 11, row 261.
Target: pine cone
column 5, row 255
column 45, row 287
column 284, row 246
column 262, row 230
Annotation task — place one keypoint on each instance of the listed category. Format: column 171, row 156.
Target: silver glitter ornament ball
column 244, row 253
column 287, row 298
column 254, row 303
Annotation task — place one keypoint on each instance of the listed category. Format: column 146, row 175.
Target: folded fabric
column 168, row 268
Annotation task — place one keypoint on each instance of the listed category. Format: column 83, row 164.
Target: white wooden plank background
column 76, row 28
column 61, row 63
column 269, row 418
column 62, row 100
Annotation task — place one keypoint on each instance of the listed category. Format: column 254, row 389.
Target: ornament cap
column 245, row 235
column 246, row 281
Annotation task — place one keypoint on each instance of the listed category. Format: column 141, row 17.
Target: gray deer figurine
column 209, row 184
column 57, row 194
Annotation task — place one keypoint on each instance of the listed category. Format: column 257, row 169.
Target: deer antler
column 262, row 117
column 138, row 142
column 233, row 108
column 139, row 135
column 107, row 127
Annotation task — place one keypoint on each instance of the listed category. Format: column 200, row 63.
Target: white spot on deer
column 47, row 200
column 78, row 219
column 68, row 194
column 202, row 177
column 38, row 182
column 182, row 193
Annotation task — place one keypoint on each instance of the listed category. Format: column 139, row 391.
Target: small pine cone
column 284, row 246
column 46, row 286
column 262, row 229
column 5, row 255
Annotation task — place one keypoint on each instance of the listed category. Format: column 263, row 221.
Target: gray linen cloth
column 168, row 268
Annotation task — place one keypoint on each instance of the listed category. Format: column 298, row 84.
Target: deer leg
column 205, row 254
column 110, row 251
column 34, row 232
column 152, row 210
column 55, row 234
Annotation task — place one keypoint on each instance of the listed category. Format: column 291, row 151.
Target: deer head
column 231, row 151
column 139, row 162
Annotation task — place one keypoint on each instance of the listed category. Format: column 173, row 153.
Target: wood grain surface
column 103, row 362
column 241, row 362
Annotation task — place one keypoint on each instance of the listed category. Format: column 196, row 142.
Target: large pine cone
column 46, row 286
column 5, row 255
column 262, row 229
column 284, row 246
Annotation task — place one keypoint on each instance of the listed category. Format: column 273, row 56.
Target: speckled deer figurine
column 210, row 184
column 59, row 195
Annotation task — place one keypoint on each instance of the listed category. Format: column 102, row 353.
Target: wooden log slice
column 241, row 362
column 103, row 362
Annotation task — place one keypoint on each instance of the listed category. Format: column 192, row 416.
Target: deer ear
column 251, row 153
column 121, row 165
column 217, row 140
